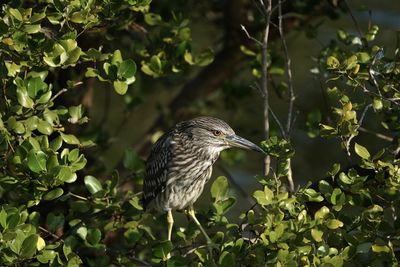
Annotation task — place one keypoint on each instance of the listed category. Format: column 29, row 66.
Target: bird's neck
column 209, row 153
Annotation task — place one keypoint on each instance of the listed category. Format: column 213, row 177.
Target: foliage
column 54, row 212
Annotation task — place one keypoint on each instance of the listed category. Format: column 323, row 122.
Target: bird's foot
column 213, row 249
column 167, row 257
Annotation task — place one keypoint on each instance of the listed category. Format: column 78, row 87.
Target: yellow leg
column 192, row 214
column 170, row 221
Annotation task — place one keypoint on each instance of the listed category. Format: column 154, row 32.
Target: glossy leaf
column 37, row 161
column 53, row 194
column 220, row 187
column 361, row 151
column 92, row 184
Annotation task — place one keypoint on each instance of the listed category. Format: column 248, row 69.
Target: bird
column 180, row 164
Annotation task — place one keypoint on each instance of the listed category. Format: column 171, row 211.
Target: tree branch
column 264, row 77
column 292, row 97
column 288, row 62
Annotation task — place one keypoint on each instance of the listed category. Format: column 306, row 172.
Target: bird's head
column 215, row 134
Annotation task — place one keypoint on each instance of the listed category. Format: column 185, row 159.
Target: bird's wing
column 156, row 172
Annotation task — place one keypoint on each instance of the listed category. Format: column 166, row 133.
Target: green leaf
column 317, row 234
column 188, row 58
column 94, row 236
column 152, row 19
column 13, row 220
column 28, row 247
column 313, row 195
column 264, row 197
column 69, row 139
column 91, row 72
column 332, row 62
column 73, row 56
column 116, row 57
column 40, row 244
column 350, row 62
column 162, row 249
column 56, row 143
column 32, row 123
column 44, row 127
column 325, row 187
column 65, row 174
column 53, row 194
column 364, row 248
column 12, row 69
column 16, row 244
column 120, row 87
column 82, row 232
column 334, row 224
column 74, row 260
column 380, row 249
column 131, row 160
column 37, row 161
column 227, row 259
column 337, row 197
column 16, row 14
column 77, row 17
column 127, row 69
column 205, row 58
column 55, row 221
column 155, row 64
column 31, row 29
column 24, row 99
column 92, row 184
column 345, row 179
column 220, row 187
column 135, row 203
column 46, row 256
column 322, row 213
column 361, row 151
column 335, row 169
column 37, row 17
column 377, row 103
column 3, row 218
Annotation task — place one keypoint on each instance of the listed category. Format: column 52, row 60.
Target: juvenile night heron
column 180, row 163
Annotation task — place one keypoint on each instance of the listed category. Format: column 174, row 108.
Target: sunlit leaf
column 92, row 184
column 361, row 151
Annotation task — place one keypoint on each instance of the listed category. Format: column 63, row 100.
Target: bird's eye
column 216, row 132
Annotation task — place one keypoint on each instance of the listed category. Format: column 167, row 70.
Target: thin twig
column 145, row 263
column 57, row 238
column 5, row 94
column 264, row 77
column 378, row 135
column 249, row 36
column 292, row 97
column 257, row 88
column 353, row 18
column 277, row 122
column 78, row 196
column 58, row 94
column 190, row 251
column 10, row 144
column 232, row 181
column 290, row 175
column 359, row 125
column 372, row 72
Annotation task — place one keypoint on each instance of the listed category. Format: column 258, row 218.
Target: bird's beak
column 237, row 141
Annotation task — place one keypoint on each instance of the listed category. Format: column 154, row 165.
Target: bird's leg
column 170, row 221
column 191, row 213
column 210, row 243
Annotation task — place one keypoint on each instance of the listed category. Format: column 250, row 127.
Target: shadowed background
column 222, row 89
